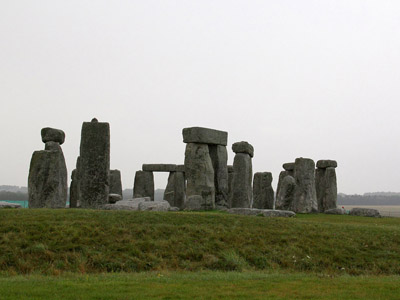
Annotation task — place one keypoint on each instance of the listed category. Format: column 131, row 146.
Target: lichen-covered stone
column 202, row 135
column 195, row 202
column 288, row 166
column 154, row 206
column 305, row 195
column 113, row 198
column 326, row 163
column 94, row 164
column 115, row 182
column 242, row 192
column 53, row 135
column 285, row 196
column 263, row 193
column 175, row 192
column 326, row 188
column 219, row 158
column 243, row 147
column 143, row 185
column 73, row 190
column 199, row 173
column 159, row 167
column 335, row 211
column 365, row 212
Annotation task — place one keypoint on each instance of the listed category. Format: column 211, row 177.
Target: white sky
column 318, row 79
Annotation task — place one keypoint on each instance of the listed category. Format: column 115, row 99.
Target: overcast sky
column 317, row 79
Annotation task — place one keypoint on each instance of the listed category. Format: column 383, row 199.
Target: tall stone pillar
column 242, row 193
column 288, row 170
column 94, row 164
column 326, row 185
column 47, row 181
column 286, row 193
column 219, row 158
column 263, row 193
column 305, row 195
column 230, row 180
column 175, row 192
column 115, row 182
column 73, row 190
column 143, row 185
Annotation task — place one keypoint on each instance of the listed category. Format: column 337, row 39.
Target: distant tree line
column 370, row 199
column 15, row 196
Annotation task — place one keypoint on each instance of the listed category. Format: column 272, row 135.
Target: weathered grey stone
column 172, row 208
column 288, row 166
column 115, row 182
column 242, row 192
column 326, row 187
column 335, row 211
column 94, row 168
column 73, row 190
column 202, row 135
column 230, row 188
column 113, row 198
column 180, row 168
column 325, row 163
column 263, row 193
column 129, row 204
column 154, row 206
column 143, row 185
column 219, row 158
column 230, row 169
column 4, row 204
column 194, row 202
column 159, row 167
column 47, row 182
column 52, row 135
column 199, row 173
column 305, row 195
column 365, row 212
column 261, row 212
column 285, row 196
column 243, row 147
column 52, row 146
column 175, row 192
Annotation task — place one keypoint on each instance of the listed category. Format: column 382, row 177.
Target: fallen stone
column 242, row 192
column 365, row 212
column 323, row 164
column 154, row 206
column 243, row 147
column 128, row 204
column 199, row 173
column 53, row 135
column 219, row 158
column 115, row 182
column 288, row 166
column 202, row 135
column 305, row 195
column 261, row 212
column 335, row 211
column 172, row 208
column 263, row 193
column 143, row 185
column 285, row 196
column 4, row 204
column 159, row 167
column 113, row 198
column 94, row 170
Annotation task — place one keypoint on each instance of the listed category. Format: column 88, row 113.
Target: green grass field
column 89, row 254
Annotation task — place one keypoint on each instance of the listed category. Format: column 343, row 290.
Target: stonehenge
column 203, row 182
column 242, row 192
column 47, row 180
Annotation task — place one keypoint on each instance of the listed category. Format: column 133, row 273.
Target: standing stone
column 219, row 158
column 175, row 192
column 230, row 180
column 289, row 170
column 48, row 178
column 286, row 193
column 263, row 192
column 326, row 186
column 199, row 173
column 73, row 190
column 115, row 182
column 94, row 164
column 143, row 185
column 305, row 195
column 242, row 193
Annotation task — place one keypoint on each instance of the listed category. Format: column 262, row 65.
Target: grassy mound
column 90, row 241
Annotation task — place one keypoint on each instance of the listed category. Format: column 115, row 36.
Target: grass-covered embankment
column 199, row 285
column 90, row 241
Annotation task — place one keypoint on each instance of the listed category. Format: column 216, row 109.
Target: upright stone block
column 95, row 164
column 47, row 181
column 263, row 193
column 143, row 185
column 285, row 196
column 230, row 180
column 115, row 182
column 202, row 135
column 199, row 173
column 73, row 190
column 305, row 196
column 326, row 187
column 219, row 158
column 241, row 184
column 175, row 192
